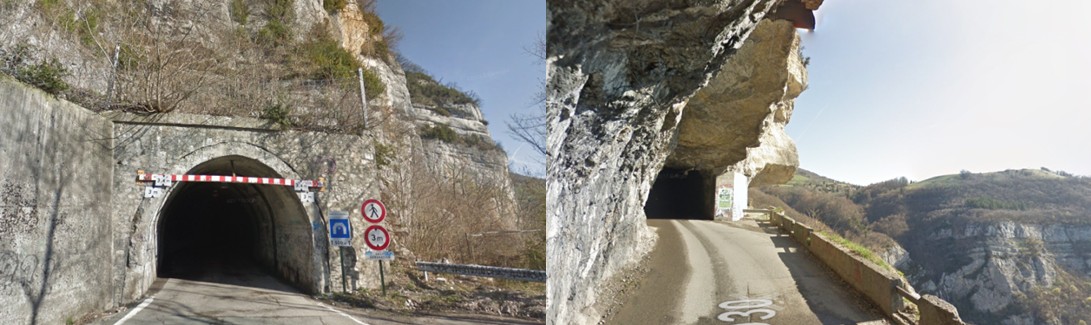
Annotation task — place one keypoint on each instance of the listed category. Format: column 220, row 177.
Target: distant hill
column 1009, row 247
column 813, row 181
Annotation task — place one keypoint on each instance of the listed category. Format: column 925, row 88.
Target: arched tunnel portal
column 682, row 194
column 235, row 233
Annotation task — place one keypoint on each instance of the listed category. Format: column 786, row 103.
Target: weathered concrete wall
column 936, row 311
column 55, row 192
column 176, row 143
column 877, row 284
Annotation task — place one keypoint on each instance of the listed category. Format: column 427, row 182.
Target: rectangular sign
column 340, row 229
column 383, row 255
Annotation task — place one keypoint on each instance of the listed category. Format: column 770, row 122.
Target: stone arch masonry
column 77, row 234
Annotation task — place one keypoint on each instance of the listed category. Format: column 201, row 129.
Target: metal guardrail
column 484, row 271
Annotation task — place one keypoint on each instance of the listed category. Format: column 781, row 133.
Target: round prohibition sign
column 376, row 237
column 373, row 211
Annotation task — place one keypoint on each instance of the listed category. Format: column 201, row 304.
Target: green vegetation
column 384, row 154
column 333, row 6
column 444, row 133
column 277, row 31
column 332, row 62
column 439, row 132
column 425, row 90
column 240, row 12
column 993, row 204
column 278, row 113
column 857, row 249
column 47, row 75
column 84, row 24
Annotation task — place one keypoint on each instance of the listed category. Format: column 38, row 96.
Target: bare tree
column 531, row 127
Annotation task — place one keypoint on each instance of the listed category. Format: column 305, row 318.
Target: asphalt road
column 252, row 297
column 717, row 272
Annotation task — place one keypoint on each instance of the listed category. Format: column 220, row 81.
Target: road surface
column 720, row 272
column 253, row 297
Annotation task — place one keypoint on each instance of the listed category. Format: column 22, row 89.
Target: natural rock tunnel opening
column 235, row 233
column 681, row 194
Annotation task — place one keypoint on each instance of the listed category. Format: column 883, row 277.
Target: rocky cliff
column 626, row 84
column 1010, row 272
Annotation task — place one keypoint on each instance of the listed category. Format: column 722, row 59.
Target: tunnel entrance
column 681, row 194
column 235, row 233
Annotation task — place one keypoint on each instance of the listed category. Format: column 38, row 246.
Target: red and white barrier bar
column 167, row 179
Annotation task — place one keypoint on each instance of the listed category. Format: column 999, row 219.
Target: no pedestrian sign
column 373, row 211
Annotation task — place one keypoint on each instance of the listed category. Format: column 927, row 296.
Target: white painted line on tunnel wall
column 341, row 313
column 135, row 310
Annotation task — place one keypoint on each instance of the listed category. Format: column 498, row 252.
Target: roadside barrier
column 483, row 271
column 879, row 285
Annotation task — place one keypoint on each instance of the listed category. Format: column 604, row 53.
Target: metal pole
column 113, row 78
column 344, row 281
column 382, row 278
column 363, row 95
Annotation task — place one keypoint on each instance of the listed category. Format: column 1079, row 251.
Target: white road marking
column 341, row 313
column 135, row 310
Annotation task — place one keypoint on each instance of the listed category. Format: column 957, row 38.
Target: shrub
column 440, row 132
column 373, row 85
column 240, row 13
column 384, row 154
column 278, row 113
column 332, row 62
column 276, row 31
column 47, row 75
column 83, row 24
column 333, row 6
column 425, row 90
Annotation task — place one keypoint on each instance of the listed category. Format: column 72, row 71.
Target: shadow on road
column 819, row 285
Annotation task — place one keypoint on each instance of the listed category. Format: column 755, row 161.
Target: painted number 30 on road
column 744, row 310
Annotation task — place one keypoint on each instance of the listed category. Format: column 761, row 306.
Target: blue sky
column 480, row 46
column 931, row 87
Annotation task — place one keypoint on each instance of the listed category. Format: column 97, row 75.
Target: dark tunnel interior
column 680, row 194
column 209, row 229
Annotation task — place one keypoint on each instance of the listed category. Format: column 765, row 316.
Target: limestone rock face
column 741, row 114
column 620, row 75
column 1003, row 263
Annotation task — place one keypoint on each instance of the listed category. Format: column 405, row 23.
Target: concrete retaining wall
column 878, row 284
column 55, row 194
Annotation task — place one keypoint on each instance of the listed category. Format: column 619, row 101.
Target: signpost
column 376, row 237
column 341, row 236
column 340, row 229
column 373, row 211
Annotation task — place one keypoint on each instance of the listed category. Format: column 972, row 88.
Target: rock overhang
column 737, row 121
